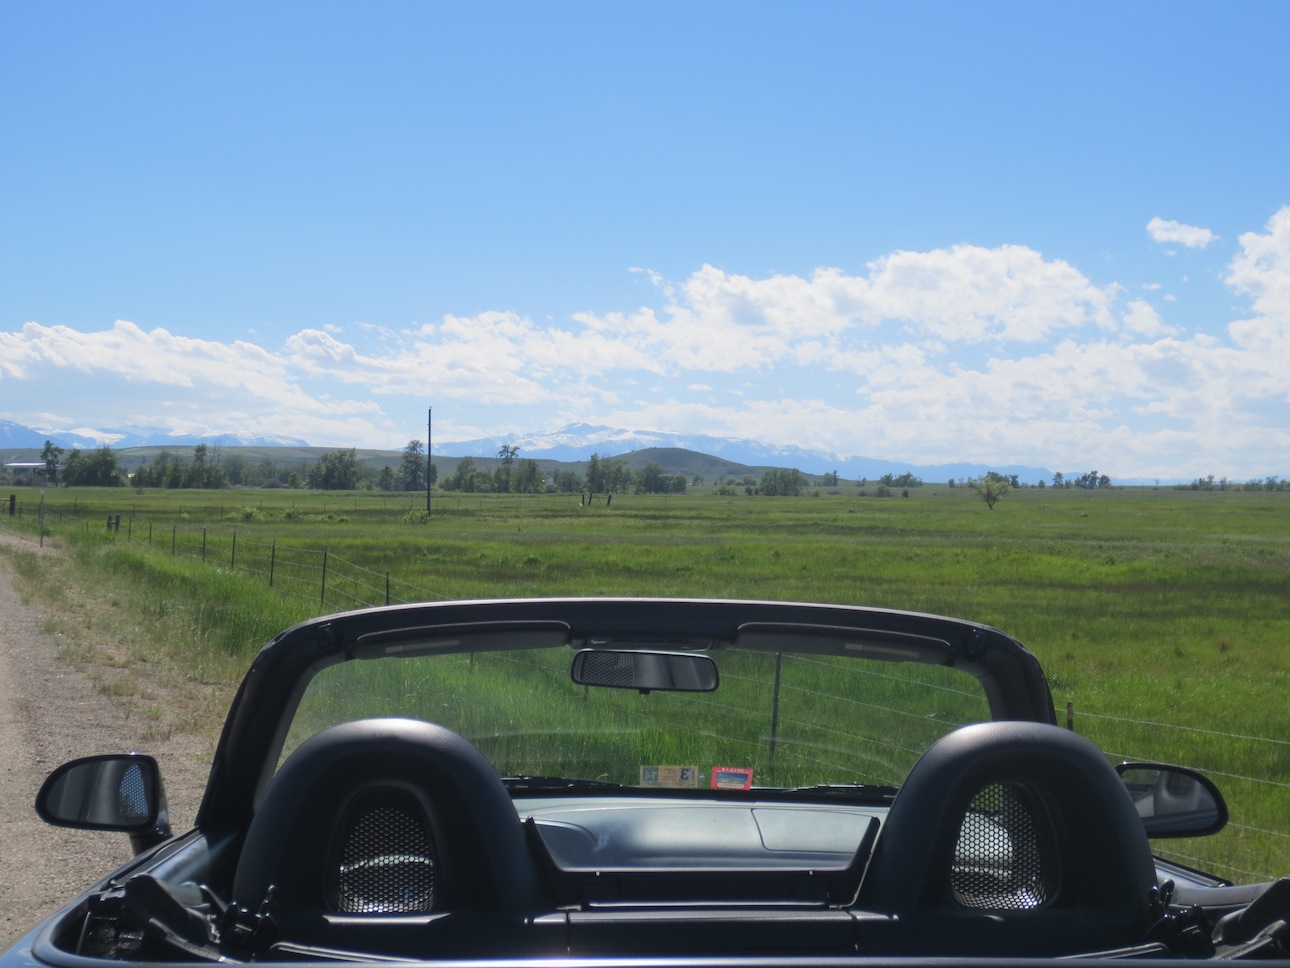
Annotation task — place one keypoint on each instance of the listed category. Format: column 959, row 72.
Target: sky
column 1051, row 234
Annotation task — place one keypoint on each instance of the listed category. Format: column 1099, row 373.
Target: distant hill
column 577, row 442
column 694, row 455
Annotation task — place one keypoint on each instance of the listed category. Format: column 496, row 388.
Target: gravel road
column 51, row 711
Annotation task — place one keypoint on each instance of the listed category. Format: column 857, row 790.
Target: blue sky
column 1046, row 234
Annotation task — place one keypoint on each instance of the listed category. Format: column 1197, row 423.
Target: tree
column 618, row 476
column 990, row 488
column 98, row 469
column 204, row 472
column 528, row 477
column 782, row 482
column 412, row 471
column 235, row 468
column 507, row 453
column 463, row 479
column 335, row 471
column 50, row 456
column 1093, row 481
column 595, row 475
column 567, row 482
column 651, row 480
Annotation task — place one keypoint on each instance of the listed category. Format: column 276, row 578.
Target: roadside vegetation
column 1161, row 615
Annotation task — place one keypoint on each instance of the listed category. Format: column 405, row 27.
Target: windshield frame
column 255, row 731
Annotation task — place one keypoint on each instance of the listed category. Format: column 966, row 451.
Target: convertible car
column 649, row 782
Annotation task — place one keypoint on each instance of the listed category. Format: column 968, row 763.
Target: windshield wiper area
column 546, row 784
column 858, row 791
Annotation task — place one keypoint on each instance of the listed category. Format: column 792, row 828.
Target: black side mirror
column 1174, row 801
column 120, row 792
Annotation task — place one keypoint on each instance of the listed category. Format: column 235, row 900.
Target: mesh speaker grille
column 608, row 669
column 387, row 860
column 998, row 863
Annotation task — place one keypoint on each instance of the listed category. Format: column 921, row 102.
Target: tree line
column 340, row 470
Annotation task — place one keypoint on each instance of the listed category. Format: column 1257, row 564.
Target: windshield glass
column 774, row 720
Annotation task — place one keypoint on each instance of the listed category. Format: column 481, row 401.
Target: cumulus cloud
column 959, row 353
column 1191, row 236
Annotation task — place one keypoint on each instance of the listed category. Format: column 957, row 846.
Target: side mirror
column 1174, row 801
column 120, row 792
column 645, row 671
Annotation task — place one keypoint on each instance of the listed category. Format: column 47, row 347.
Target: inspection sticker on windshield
column 669, row 776
column 732, row 777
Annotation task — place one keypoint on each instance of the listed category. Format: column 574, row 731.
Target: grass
column 1162, row 616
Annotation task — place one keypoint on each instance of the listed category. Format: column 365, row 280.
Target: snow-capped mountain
column 577, row 442
column 14, row 435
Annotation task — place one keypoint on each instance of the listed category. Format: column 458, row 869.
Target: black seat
column 1013, row 838
column 391, row 836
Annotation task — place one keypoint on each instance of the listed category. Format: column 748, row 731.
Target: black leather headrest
column 480, row 844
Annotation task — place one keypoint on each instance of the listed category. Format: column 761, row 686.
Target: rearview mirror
column 1174, row 801
column 645, row 671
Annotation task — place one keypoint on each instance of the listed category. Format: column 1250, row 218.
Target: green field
column 1161, row 615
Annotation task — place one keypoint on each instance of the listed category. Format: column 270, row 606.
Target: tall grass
column 1163, row 616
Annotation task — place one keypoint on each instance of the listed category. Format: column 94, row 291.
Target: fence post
column 1070, row 716
column 232, row 558
column 322, row 595
column 174, row 528
column 387, row 588
column 273, row 558
column 203, row 545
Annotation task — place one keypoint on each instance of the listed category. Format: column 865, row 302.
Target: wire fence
column 315, row 575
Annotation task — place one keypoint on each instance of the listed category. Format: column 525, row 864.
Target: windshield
column 775, row 719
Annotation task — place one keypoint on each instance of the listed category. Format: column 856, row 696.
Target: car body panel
column 1008, row 837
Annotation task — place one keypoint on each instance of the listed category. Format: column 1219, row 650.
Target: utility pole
column 429, row 457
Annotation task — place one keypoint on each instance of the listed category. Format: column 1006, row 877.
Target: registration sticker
column 732, row 777
column 669, row 776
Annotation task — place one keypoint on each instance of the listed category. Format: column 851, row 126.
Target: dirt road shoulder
column 52, row 711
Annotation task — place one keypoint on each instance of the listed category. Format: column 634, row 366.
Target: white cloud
column 1140, row 319
column 962, row 353
column 971, row 294
column 1191, row 236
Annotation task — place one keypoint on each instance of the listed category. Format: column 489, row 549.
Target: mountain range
column 572, row 443
column 14, row 436
column 577, row 442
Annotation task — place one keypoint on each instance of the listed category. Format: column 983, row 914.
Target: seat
column 391, row 836
column 1013, row 838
